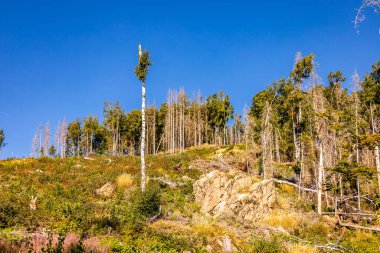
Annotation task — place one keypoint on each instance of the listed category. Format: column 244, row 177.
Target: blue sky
column 65, row 58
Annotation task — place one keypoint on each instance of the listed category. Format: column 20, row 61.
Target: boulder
column 106, row 190
column 234, row 194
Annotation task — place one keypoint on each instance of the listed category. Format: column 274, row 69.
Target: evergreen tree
column 113, row 116
column 90, row 131
column 2, row 138
column 74, row 135
column 133, row 130
column 370, row 97
column 219, row 111
column 52, row 151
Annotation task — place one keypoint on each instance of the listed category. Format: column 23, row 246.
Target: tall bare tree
column 57, row 137
column 47, row 139
column 63, row 136
column 35, row 146
column 141, row 71
column 355, row 79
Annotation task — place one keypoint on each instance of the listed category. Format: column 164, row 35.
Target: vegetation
column 2, row 138
column 68, row 200
column 319, row 143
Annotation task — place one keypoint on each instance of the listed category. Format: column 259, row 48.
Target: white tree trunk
column 377, row 155
column 143, row 138
column 357, row 148
column 320, row 177
column 154, row 130
column 377, row 158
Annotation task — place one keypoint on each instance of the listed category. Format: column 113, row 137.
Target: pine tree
column 370, row 95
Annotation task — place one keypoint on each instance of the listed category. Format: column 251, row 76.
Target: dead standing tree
column 141, row 71
column 63, row 138
column 266, row 140
column 320, row 139
column 46, row 139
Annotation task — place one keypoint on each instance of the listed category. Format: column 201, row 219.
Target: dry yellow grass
column 214, row 235
column 169, row 226
column 124, row 181
column 299, row 248
column 287, row 220
column 207, row 230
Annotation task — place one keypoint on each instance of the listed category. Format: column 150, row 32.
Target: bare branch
column 360, row 17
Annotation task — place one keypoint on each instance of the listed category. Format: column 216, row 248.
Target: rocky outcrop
column 106, row 190
column 234, row 194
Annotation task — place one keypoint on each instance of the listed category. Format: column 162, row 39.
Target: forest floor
column 94, row 204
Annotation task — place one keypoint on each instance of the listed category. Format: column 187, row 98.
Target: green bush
column 7, row 214
column 147, row 203
column 134, row 212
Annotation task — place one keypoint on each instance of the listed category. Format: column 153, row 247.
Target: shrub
column 124, row 181
column 148, row 203
column 7, row 212
column 133, row 213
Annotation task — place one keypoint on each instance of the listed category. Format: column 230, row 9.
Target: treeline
column 330, row 135
column 179, row 123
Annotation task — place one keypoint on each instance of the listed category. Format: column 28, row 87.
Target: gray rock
column 234, row 193
column 106, row 190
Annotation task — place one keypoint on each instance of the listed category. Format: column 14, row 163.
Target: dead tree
column 46, row 139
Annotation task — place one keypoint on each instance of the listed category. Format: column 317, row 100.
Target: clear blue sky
column 65, row 58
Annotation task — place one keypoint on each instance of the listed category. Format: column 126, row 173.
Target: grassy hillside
column 117, row 219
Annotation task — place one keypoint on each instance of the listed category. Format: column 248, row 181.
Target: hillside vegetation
column 95, row 203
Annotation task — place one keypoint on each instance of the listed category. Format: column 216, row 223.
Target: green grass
column 67, row 201
column 66, row 198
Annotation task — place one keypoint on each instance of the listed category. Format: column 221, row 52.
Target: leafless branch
column 360, row 17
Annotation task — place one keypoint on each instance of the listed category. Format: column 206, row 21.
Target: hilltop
column 95, row 203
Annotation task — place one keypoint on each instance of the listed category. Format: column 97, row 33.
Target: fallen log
column 376, row 229
column 295, row 185
column 349, row 214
